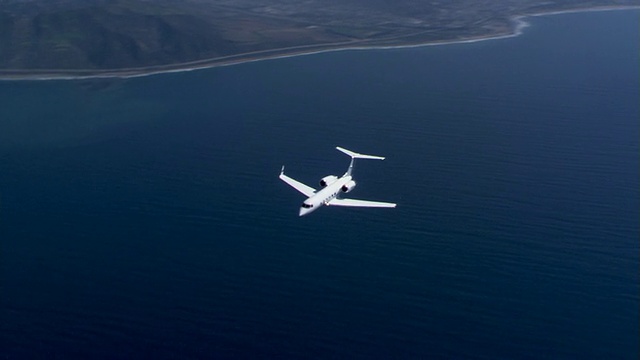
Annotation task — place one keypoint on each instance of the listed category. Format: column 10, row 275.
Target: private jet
column 332, row 187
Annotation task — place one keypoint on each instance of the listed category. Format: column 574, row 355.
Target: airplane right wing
column 360, row 203
column 308, row 191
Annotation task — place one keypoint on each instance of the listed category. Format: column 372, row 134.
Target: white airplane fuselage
column 324, row 196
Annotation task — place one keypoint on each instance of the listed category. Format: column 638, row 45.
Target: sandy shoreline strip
column 519, row 24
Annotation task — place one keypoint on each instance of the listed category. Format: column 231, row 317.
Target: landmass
column 58, row 38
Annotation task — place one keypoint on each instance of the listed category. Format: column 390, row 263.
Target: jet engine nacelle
column 328, row 180
column 348, row 186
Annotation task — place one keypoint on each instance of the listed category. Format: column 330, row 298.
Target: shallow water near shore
column 144, row 217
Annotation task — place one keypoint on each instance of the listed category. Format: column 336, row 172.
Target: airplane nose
column 303, row 212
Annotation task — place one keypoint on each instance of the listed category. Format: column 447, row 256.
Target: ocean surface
column 143, row 218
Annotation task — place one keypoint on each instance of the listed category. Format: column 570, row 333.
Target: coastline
column 519, row 23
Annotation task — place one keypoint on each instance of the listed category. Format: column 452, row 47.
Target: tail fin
column 354, row 155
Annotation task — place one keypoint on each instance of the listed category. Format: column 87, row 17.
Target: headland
column 128, row 38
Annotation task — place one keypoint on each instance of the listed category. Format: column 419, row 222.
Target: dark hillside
column 128, row 34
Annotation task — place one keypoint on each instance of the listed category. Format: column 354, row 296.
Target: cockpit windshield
column 307, row 206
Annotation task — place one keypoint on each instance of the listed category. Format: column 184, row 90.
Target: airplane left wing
column 360, row 203
column 308, row 191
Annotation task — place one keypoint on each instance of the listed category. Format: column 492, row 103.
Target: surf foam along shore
column 519, row 24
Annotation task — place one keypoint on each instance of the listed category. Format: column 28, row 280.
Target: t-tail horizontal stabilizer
column 356, row 155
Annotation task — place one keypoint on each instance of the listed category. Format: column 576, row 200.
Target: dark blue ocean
column 144, row 218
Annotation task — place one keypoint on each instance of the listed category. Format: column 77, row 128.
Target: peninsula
column 58, row 38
